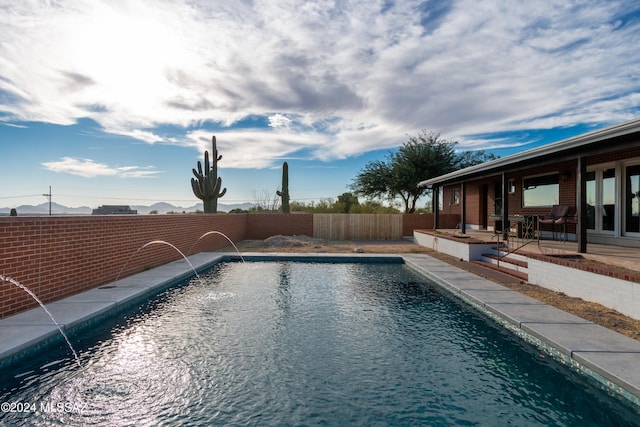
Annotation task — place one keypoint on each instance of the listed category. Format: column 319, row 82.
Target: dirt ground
column 593, row 312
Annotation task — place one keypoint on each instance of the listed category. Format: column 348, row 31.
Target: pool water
column 304, row 344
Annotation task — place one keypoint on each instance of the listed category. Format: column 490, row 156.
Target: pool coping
column 610, row 358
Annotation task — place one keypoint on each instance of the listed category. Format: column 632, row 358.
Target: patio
column 620, row 256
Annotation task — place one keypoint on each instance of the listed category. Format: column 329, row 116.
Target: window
column 455, row 196
column 609, row 199
column 591, row 200
column 601, row 199
column 497, row 198
column 632, row 199
column 512, row 186
column 540, row 191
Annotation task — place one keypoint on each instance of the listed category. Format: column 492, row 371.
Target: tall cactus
column 207, row 185
column 284, row 194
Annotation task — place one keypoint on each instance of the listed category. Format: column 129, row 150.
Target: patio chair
column 557, row 216
column 571, row 220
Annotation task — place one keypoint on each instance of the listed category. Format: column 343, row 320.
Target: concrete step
column 502, row 269
column 516, row 262
column 514, row 255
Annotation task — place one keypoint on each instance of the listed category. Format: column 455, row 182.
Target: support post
column 435, row 196
column 463, row 208
column 581, row 205
column 505, row 208
column 49, row 197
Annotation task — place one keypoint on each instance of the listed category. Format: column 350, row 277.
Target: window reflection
column 609, row 198
column 591, row 200
column 601, row 199
column 455, row 196
column 540, row 191
column 632, row 204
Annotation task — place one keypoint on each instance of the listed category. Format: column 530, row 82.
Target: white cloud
column 253, row 148
column 88, row 168
column 279, row 121
column 14, row 125
column 344, row 77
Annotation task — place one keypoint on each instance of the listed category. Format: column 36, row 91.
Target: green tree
column 375, row 207
column 421, row 157
column 347, row 202
column 470, row 158
column 238, row 210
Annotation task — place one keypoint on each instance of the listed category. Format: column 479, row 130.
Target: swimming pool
column 282, row 343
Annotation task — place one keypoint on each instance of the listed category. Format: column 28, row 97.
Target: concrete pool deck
column 611, row 358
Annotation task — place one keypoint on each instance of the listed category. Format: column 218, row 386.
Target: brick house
column 596, row 175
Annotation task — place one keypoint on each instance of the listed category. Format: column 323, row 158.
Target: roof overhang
column 555, row 150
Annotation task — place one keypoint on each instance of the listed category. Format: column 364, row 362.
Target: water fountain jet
column 36, row 299
column 223, row 235
column 158, row 242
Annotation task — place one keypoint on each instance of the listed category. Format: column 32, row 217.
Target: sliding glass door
column 632, row 199
column 601, row 200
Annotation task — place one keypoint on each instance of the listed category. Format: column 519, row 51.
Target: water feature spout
column 36, row 299
column 223, row 235
column 158, row 242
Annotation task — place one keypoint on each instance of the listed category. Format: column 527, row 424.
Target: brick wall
column 59, row 256
column 475, row 205
column 448, row 207
column 449, row 221
column 566, row 190
column 412, row 222
column 262, row 226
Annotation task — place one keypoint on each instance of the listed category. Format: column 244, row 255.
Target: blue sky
column 113, row 102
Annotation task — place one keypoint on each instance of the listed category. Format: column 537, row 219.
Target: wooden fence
column 357, row 227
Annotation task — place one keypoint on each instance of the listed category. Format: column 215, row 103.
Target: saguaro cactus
column 284, row 193
column 206, row 185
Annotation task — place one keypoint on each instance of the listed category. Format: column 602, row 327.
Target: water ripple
column 307, row 344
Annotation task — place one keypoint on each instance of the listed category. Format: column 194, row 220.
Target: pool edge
column 472, row 289
column 576, row 342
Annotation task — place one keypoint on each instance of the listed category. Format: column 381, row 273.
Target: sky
column 114, row 102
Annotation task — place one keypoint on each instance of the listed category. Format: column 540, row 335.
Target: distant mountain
column 163, row 207
column 160, row 207
column 43, row 209
column 226, row 208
